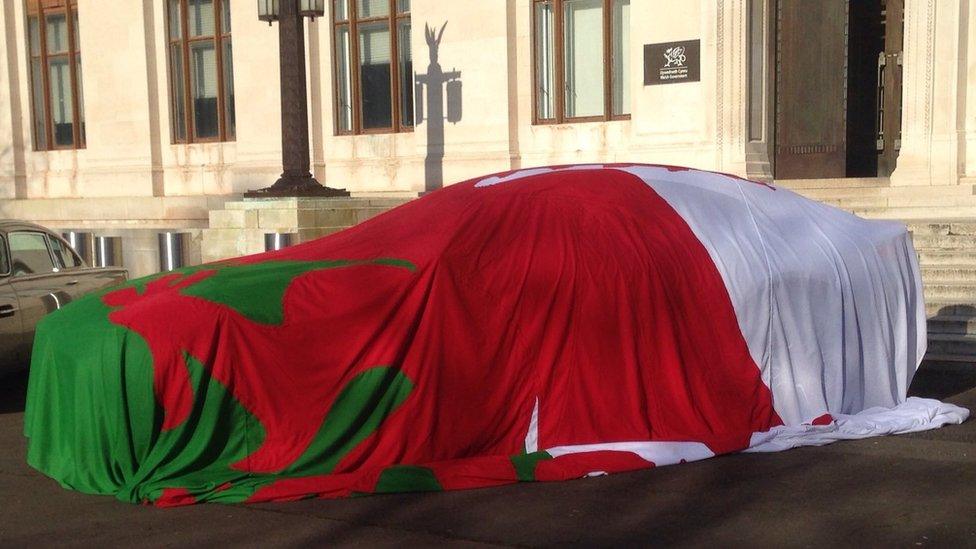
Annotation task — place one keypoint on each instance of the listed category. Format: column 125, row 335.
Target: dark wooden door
column 811, row 71
column 890, row 72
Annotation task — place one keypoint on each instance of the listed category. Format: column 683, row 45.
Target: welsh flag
column 542, row 324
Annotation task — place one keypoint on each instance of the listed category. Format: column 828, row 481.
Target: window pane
column 340, row 10
column 34, row 36
column 225, row 17
column 406, row 72
column 37, row 98
column 37, row 83
column 175, row 21
column 583, row 39
column 75, row 30
column 176, row 81
column 57, row 33
column 621, row 57
column 229, row 117
column 63, row 256
column 201, row 17
column 62, row 117
column 343, row 80
column 374, row 74
column 545, row 62
column 372, row 8
column 29, row 253
column 403, row 6
column 203, row 89
column 81, row 99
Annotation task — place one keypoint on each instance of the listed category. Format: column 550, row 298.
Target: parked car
column 543, row 324
column 39, row 273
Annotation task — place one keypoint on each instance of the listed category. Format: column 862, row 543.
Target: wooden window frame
column 559, row 103
column 41, row 9
column 183, row 43
column 352, row 23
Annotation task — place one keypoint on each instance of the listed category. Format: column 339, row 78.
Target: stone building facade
column 176, row 111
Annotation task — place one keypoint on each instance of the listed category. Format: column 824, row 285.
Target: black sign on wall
column 672, row 62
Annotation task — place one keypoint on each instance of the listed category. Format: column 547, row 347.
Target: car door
column 36, row 280
column 11, row 330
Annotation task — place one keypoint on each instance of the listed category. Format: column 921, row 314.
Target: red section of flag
column 825, row 419
column 175, row 497
column 582, row 289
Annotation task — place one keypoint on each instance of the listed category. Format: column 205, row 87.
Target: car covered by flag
column 541, row 324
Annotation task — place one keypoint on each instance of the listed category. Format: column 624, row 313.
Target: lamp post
column 296, row 179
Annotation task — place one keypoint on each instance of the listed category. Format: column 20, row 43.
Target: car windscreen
column 29, row 254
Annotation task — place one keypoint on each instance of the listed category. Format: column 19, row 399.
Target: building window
column 57, row 102
column 581, row 60
column 201, row 70
column 377, row 95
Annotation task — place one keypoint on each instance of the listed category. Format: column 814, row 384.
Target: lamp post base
column 300, row 186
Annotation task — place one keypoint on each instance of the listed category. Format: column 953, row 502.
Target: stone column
column 934, row 93
column 731, row 81
column 967, row 87
column 12, row 143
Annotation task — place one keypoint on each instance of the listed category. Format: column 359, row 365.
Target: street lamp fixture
column 296, row 177
column 268, row 11
column 311, row 8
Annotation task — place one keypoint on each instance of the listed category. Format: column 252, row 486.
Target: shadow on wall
column 443, row 91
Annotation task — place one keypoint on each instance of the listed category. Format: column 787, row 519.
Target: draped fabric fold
column 543, row 324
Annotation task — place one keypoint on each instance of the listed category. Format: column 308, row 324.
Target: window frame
column 41, row 9
column 47, row 245
column 4, row 255
column 183, row 43
column 352, row 22
column 559, row 77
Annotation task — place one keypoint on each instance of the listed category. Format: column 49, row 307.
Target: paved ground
column 914, row 490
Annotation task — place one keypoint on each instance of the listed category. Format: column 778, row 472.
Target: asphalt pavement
column 908, row 491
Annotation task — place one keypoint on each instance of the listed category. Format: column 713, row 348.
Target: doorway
column 837, row 99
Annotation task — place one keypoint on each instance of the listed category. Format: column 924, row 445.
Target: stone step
column 835, row 183
column 399, row 195
column 913, row 213
column 289, row 220
column 949, row 363
column 943, row 307
column 887, row 201
column 961, row 292
column 943, row 227
column 952, row 345
column 937, row 274
column 306, row 234
column 952, row 324
column 855, row 202
column 930, row 257
column 944, row 241
column 313, row 203
column 934, row 199
column 899, row 194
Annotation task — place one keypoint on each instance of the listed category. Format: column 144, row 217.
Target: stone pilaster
column 935, row 93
